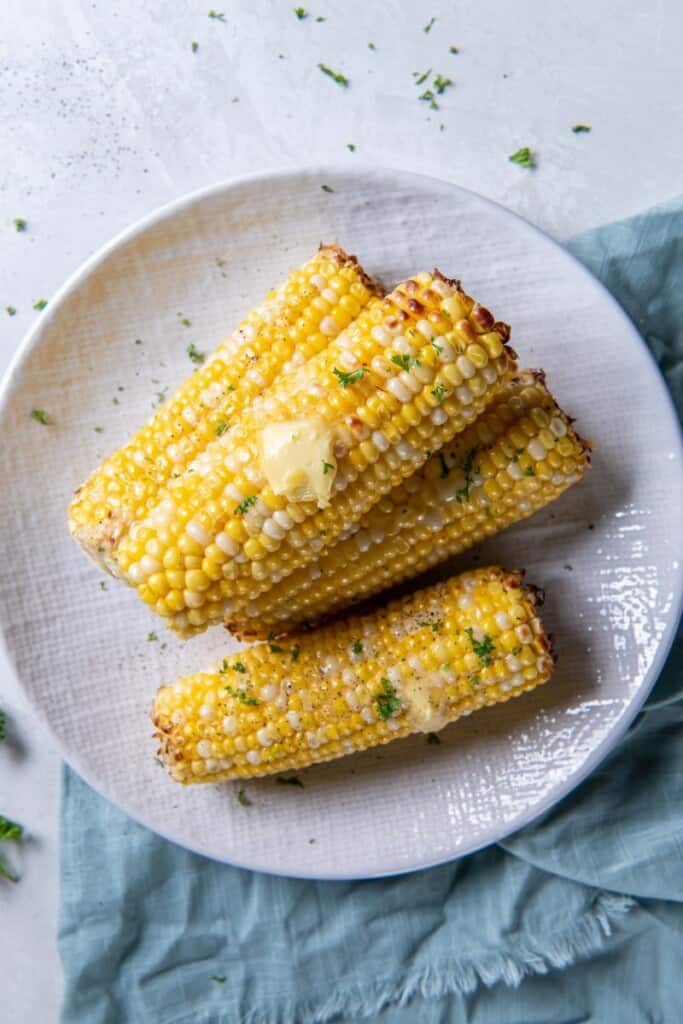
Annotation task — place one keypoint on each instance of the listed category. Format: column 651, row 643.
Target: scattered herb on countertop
column 216, row 15
column 152, row 638
column 98, row 430
column 346, row 379
column 453, row 49
column 301, row 13
column 482, row 648
column 290, row 780
column 39, row 416
column 327, row 188
column 243, row 506
column 421, row 77
column 242, row 799
column 428, row 97
column 371, row 46
column 194, row 354
column 569, row 568
column 336, row 76
column 220, row 979
column 20, row 224
column 578, row 128
column 523, row 157
column 40, row 304
column 441, row 83
column 184, row 320
column 350, row 146
column 103, row 584
column 159, row 762
column 10, row 310
column 428, row 26
column 387, row 702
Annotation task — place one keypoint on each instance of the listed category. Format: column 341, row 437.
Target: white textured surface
column 107, row 113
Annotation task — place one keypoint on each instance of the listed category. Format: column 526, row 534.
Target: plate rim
column 172, row 208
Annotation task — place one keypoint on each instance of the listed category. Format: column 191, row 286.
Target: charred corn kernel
column 474, row 487
column 413, row 666
column 130, row 482
column 304, row 440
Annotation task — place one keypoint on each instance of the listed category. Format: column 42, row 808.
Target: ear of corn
column 518, row 456
column 401, row 381
column 415, row 665
column 296, row 321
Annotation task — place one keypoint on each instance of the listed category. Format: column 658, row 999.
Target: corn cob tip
column 334, row 252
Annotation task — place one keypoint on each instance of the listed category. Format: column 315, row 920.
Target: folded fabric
column 577, row 918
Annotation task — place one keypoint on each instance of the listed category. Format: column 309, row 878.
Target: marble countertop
column 109, row 111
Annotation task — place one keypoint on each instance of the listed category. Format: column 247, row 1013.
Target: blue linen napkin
column 576, row 918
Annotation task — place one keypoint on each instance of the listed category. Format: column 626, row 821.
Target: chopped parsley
column 194, row 354
column 10, row 310
column 336, row 76
column 184, row 320
column 387, row 702
column 428, row 26
column 569, row 568
column 159, row 762
column 440, row 391
column 482, row 648
column 441, row 83
column 10, row 829
column 98, row 430
column 239, row 510
column 346, row 379
column 435, row 626
column 357, row 647
column 242, row 799
column 274, row 648
column 3, row 724
column 437, row 348
column 219, row 262
column 220, row 978
column 529, row 471
column 19, row 224
column 296, row 651
column 405, row 361
column 523, row 157
column 420, row 78
column 39, row 416
column 432, row 738
column 239, row 667
column 327, row 466
column 195, row 46
column 327, row 188
column 445, row 469
column 428, row 97
column 290, row 780
column 221, row 428
column 453, row 49
column 103, row 584
column 371, row 46
column 578, row 128
column 516, row 650
column 463, row 493
column 350, row 146
column 320, row 18
column 115, row 400
column 216, row 15
column 242, row 696
column 475, row 680
column 301, row 13
column 152, row 638
column 40, row 304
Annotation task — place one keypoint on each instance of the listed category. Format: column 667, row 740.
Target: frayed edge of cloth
column 583, row 939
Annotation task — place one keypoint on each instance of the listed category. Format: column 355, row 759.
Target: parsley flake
column 475, row 680
column 296, row 651
column 290, row 780
column 3, row 724
column 10, row 310
column 98, row 430
column 184, row 320
column 420, row 78
column 523, row 157
column 239, row 667
column 350, row 146
column 195, row 46
column 578, row 128
column 439, row 391
column 275, row 648
column 19, row 224
column 216, row 15
column 194, row 354
column 103, row 584
column 152, row 638
column 220, row 978
column 346, row 379
column 243, row 506
column 482, row 648
column 371, row 46
column 242, row 799
column 428, row 26
column 516, row 650
column 529, row 471
column 453, row 49
column 463, row 493
column 437, row 348
column 357, row 647
column 327, row 467
column 428, row 97
column 327, row 188
column 405, row 361
column 301, row 13
column 387, row 701
column 336, row 76
column 39, row 416
column 441, row 83
column 569, row 568
column 221, row 428
column 40, row 304
column 242, row 696
column 10, row 829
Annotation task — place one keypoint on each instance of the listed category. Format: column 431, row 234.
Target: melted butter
column 426, row 703
column 297, row 460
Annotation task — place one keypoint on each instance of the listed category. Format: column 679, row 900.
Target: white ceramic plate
column 82, row 652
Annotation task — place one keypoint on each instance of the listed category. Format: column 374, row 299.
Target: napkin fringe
column 585, row 937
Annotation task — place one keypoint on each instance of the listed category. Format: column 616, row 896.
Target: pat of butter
column 427, row 704
column 297, row 460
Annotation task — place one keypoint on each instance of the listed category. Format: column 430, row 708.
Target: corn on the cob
column 405, row 377
column 296, row 321
column 415, row 665
column 520, row 455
